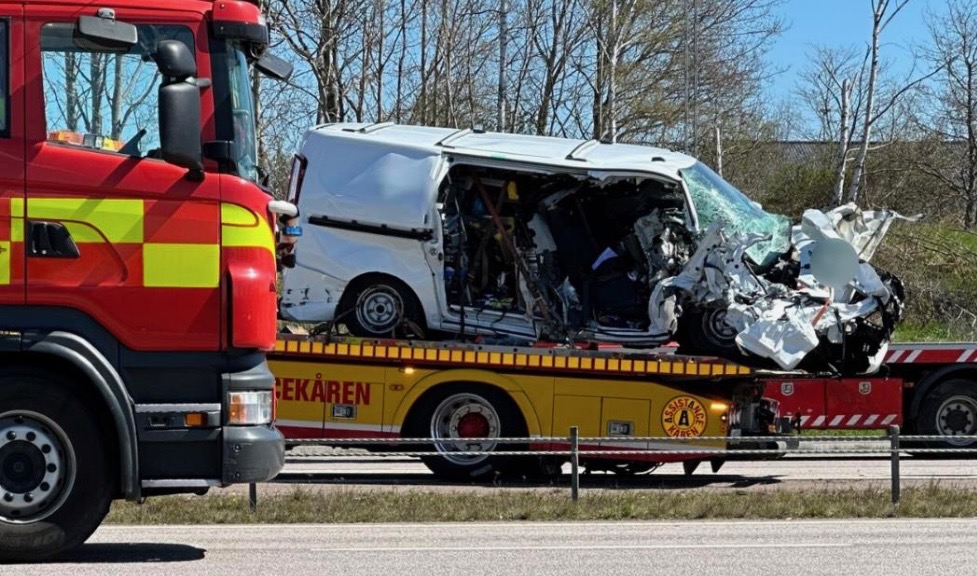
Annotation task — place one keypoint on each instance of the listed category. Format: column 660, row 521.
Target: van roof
column 544, row 150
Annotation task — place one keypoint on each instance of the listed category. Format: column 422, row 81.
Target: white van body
column 439, row 232
column 368, row 205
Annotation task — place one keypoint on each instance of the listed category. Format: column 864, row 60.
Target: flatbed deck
column 607, row 361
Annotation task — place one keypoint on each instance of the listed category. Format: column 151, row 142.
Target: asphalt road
column 891, row 547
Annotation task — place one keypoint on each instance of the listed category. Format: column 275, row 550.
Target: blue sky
column 842, row 23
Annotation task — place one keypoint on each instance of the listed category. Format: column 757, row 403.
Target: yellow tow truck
column 467, row 395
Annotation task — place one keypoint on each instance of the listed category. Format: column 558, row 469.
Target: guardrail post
column 253, row 497
column 894, row 449
column 574, row 463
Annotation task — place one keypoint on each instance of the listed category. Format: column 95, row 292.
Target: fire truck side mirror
column 179, row 107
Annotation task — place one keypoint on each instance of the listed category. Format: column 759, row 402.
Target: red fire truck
column 926, row 388
column 137, row 265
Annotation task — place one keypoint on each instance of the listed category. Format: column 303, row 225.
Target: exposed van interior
column 570, row 250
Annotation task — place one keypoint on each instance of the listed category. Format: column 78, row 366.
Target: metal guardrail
column 896, row 446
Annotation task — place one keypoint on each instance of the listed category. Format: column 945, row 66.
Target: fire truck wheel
column 456, row 415
column 950, row 409
column 380, row 306
column 55, row 481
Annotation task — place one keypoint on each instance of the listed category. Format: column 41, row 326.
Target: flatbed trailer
column 927, row 388
column 342, row 388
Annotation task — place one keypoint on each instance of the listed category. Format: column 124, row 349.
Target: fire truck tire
column 949, row 409
column 380, row 306
column 454, row 412
column 55, row 475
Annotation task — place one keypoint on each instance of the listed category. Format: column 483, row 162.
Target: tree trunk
column 612, row 75
column 841, row 159
column 856, row 176
column 328, row 109
column 719, row 150
column 500, row 120
column 399, row 104
column 381, row 61
column 598, row 103
column 71, row 89
column 117, row 97
column 423, row 97
column 971, row 117
column 364, row 66
column 98, row 71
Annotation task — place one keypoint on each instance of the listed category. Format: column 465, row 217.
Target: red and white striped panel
column 849, row 421
column 961, row 353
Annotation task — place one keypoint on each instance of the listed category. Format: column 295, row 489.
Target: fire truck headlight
column 250, row 408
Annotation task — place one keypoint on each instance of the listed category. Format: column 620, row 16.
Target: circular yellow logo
column 684, row 417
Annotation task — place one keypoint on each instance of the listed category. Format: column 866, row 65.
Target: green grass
column 358, row 506
column 924, row 332
column 936, row 263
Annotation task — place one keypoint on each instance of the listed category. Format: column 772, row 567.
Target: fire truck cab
column 137, row 264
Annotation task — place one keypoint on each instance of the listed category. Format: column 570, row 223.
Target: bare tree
column 312, row 31
column 881, row 17
column 833, row 89
column 500, row 121
column 852, row 100
column 599, row 68
column 951, row 121
column 555, row 38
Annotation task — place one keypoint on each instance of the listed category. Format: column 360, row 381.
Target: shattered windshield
column 717, row 200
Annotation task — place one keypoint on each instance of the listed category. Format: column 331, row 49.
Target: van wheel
column 381, row 307
column 705, row 331
column 55, row 478
column 950, row 409
column 462, row 412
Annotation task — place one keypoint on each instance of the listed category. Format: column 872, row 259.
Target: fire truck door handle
column 51, row 240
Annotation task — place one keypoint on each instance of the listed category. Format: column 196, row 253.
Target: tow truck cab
column 137, row 261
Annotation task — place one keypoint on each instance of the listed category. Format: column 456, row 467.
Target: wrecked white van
column 417, row 231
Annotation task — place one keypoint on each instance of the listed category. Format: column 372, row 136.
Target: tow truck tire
column 56, row 483
column 469, row 410
column 949, row 409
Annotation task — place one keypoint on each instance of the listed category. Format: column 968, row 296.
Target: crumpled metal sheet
column 784, row 333
column 773, row 320
column 864, row 230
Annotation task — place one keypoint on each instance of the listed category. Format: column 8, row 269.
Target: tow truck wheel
column 950, row 409
column 469, row 412
column 55, row 482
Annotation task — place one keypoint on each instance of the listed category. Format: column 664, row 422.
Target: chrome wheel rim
column 37, row 467
column 460, row 418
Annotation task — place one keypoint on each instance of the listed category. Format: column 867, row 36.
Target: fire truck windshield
column 241, row 103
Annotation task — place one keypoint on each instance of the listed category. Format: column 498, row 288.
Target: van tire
column 705, row 332
column 379, row 306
